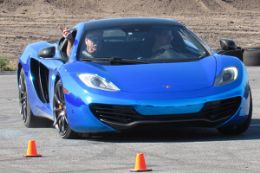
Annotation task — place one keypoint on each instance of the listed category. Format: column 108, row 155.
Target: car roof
column 110, row 22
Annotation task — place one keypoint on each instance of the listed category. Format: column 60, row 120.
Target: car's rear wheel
column 25, row 109
column 60, row 113
column 236, row 129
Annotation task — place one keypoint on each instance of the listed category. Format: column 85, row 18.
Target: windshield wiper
column 115, row 60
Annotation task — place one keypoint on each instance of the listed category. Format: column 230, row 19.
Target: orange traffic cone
column 140, row 165
column 32, row 150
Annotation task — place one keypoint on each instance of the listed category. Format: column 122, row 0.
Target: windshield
column 149, row 44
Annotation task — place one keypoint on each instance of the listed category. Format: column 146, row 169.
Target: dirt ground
column 26, row 21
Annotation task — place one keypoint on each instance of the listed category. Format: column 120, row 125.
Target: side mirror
column 227, row 44
column 48, row 52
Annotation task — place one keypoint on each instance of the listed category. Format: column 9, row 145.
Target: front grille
column 212, row 112
column 114, row 113
column 220, row 110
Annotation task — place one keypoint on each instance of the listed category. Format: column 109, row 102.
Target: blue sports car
column 111, row 75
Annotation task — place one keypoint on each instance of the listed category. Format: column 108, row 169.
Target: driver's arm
column 69, row 46
column 67, row 34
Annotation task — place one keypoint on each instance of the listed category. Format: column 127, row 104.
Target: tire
column 25, row 109
column 252, row 56
column 60, row 113
column 237, row 129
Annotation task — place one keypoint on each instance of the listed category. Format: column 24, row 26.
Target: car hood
column 159, row 77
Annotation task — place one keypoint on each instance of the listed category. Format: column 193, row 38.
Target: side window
column 63, row 46
column 191, row 44
column 187, row 40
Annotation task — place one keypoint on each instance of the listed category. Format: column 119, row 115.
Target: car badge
column 168, row 86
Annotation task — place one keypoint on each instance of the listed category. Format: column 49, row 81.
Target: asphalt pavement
column 180, row 150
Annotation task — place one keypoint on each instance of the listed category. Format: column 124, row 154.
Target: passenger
column 66, row 33
column 92, row 42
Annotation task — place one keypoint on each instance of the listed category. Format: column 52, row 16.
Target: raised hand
column 66, row 33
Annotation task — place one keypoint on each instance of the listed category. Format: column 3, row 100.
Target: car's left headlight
column 97, row 82
column 228, row 75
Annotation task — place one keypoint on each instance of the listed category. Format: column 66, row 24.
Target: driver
column 162, row 47
column 92, row 42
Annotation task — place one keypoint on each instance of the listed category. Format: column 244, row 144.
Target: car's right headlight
column 97, row 82
column 228, row 75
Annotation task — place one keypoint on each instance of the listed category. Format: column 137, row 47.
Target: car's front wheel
column 236, row 129
column 60, row 112
column 25, row 109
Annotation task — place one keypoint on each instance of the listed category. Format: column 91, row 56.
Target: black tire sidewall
column 30, row 117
